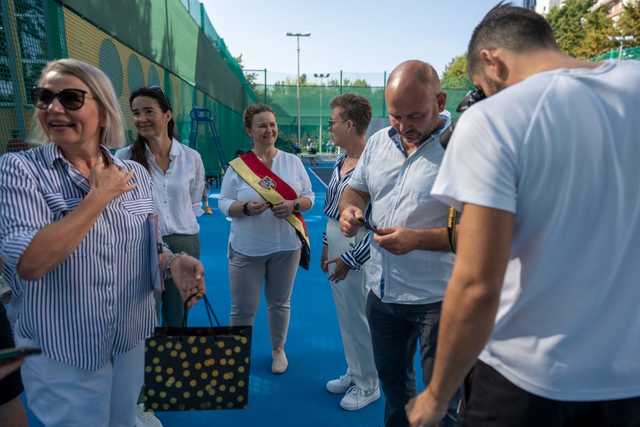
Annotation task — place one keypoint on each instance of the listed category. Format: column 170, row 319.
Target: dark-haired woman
column 178, row 182
column 263, row 244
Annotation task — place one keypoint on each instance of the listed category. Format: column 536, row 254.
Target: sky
column 353, row 36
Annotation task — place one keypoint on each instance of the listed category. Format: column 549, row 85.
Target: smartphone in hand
column 13, row 354
column 367, row 225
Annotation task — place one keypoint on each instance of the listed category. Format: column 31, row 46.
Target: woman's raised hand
column 110, row 181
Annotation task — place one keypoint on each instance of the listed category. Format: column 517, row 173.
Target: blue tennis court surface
column 314, row 348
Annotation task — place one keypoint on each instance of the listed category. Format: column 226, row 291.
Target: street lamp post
column 321, row 76
column 297, row 36
column 621, row 40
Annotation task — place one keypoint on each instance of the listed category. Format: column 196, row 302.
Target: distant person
column 264, row 245
column 177, row 173
column 75, row 241
column 410, row 264
column 546, row 170
column 343, row 259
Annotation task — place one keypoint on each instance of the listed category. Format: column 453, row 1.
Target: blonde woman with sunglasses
column 75, row 242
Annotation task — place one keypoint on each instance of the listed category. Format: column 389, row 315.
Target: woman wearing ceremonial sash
column 264, row 192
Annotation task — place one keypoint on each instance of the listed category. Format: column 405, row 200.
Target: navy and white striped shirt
column 359, row 254
column 99, row 301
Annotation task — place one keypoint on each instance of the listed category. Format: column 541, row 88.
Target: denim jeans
column 395, row 331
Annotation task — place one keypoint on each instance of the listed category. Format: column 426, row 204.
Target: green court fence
column 170, row 43
column 173, row 44
column 628, row 53
column 315, row 110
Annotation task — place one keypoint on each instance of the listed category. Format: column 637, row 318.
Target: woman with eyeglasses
column 177, row 173
column 77, row 247
column 264, row 192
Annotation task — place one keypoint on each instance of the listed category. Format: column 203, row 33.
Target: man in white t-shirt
column 546, row 171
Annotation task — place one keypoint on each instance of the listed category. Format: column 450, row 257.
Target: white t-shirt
column 264, row 234
column 561, row 151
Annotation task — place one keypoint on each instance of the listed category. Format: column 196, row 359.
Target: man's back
column 560, row 151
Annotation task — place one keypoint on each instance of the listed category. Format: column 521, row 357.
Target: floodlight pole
column 320, row 76
column 297, row 36
column 621, row 40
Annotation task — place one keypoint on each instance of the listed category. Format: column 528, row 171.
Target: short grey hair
column 112, row 133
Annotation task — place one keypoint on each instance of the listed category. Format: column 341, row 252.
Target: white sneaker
column 146, row 418
column 340, row 385
column 356, row 398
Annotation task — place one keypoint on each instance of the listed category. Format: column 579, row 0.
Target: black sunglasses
column 71, row 99
column 470, row 98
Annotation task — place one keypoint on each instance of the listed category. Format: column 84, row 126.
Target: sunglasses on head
column 157, row 89
column 71, row 99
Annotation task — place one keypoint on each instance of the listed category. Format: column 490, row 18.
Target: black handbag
column 197, row 368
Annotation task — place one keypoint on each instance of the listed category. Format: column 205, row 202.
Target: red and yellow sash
column 270, row 186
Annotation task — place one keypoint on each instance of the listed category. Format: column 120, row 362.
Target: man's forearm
column 56, row 241
column 432, row 239
column 352, row 197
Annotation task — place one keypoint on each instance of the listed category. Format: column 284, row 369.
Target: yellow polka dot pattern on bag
column 197, row 369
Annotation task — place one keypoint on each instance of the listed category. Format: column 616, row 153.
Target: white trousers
column 61, row 395
column 350, row 298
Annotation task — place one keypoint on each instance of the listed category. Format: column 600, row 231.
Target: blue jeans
column 395, row 330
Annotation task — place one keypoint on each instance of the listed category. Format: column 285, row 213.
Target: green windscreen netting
column 169, row 43
column 315, row 109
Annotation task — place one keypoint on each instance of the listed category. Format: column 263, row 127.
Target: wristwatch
column 296, row 207
column 245, row 209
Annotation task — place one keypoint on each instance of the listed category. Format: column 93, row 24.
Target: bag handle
column 207, row 307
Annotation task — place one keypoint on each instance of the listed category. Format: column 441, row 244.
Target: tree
column 292, row 81
column 598, row 32
column 629, row 23
column 348, row 83
column 360, row 83
column 455, row 74
column 251, row 77
column 567, row 23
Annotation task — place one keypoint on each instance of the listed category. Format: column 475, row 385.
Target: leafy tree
column 251, row 77
column 455, row 74
column 348, row 82
column 292, row 81
column 360, row 83
column 567, row 23
column 629, row 23
column 598, row 30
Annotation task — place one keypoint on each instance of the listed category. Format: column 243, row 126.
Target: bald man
column 410, row 260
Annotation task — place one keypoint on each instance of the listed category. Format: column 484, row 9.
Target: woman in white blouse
column 178, row 182
column 263, row 246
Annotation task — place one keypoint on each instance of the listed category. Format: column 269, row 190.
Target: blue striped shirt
column 359, row 254
column 98, row 302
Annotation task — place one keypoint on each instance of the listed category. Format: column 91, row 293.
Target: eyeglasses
column 71, row 99
column 470, row 98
